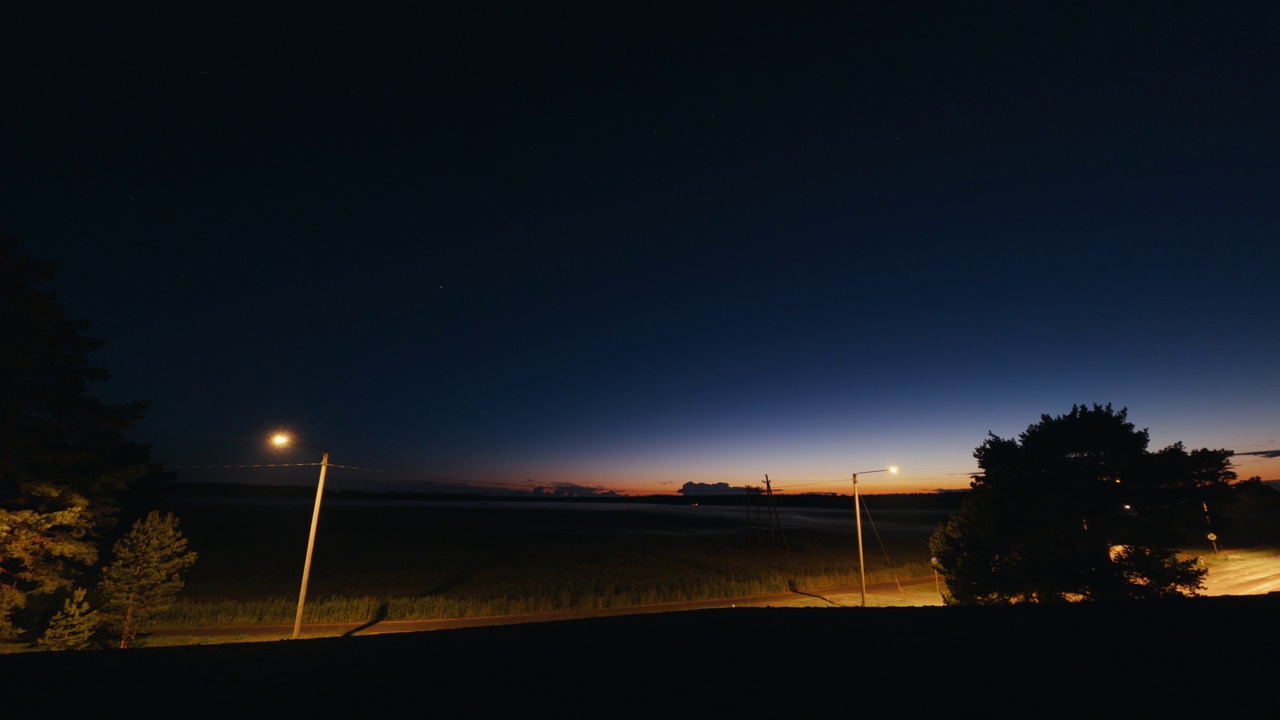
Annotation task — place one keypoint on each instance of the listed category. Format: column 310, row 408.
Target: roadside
column 1251, row 572
column 914, row 592
column 1248, row 573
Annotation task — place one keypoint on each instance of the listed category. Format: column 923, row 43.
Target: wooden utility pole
column 757, row 497
column 773, row 516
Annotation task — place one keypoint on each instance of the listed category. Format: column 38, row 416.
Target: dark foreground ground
column 1202, row 657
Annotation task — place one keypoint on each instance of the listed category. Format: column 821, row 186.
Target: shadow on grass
column 791, row 585
column 378, row 616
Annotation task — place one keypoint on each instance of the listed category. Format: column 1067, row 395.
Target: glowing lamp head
column 280, row 439
column 893, row 469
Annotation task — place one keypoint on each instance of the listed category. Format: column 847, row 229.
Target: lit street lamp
column 281, row 440
column 857, row 513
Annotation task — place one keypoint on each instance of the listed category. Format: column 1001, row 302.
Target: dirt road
column 1244, row 575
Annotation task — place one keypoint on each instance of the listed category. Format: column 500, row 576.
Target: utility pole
column 857, row 514
column 1213, row 537
column 773, row 516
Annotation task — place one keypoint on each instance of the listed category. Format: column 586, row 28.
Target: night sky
column 626, row 247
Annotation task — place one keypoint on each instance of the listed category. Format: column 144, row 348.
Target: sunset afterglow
column 652, row 257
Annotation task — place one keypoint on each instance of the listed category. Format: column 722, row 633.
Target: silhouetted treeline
column 914, row 501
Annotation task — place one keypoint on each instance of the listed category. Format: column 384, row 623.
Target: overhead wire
column 396, row 473
column 461, row 481
column 883, row 550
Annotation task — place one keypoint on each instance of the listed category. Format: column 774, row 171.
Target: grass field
column 410, row 560
column 469, row 559
column 413, row 560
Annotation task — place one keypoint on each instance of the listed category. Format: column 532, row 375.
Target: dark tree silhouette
column 1077, row 508
column 64, row 459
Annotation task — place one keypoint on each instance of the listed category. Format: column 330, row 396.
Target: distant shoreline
column 177, row 491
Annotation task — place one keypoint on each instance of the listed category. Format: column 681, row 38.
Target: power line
column 423, row 476
column 223, row 467
column 397, row 473
column 489, row 483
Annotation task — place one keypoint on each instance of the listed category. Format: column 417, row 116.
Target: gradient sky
column 626, row 248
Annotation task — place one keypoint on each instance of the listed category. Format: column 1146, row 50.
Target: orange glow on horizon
column 888, row 483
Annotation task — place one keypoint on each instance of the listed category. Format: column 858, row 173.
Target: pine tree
column 65, row 463
column 145, row 574
column 73, row 627
column 39, row 549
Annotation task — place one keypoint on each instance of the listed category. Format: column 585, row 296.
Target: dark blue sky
column 629, row 248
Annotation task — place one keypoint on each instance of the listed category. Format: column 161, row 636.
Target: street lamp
column 857, row 513
column 281, row 440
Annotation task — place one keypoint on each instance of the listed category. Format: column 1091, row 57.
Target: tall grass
column 406, row 563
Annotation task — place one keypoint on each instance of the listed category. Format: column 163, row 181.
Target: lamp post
column 857, row 513
column 937, row 583
column 281, row 440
